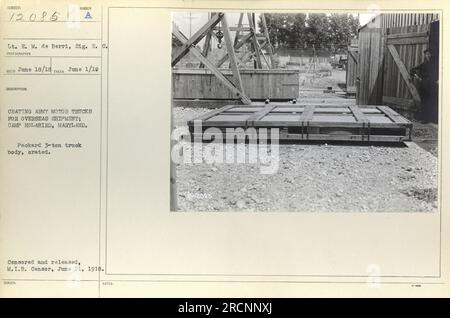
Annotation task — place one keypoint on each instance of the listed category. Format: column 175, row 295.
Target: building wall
column 394, row 20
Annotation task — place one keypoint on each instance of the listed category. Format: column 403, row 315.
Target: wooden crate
column 258, row 84
column 313, row 122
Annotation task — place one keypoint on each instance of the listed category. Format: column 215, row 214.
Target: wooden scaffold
column 217, row 26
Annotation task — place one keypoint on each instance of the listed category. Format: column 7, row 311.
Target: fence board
column 258, row 84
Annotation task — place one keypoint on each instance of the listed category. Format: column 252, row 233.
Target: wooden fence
column 386, row 56
column 258, row 84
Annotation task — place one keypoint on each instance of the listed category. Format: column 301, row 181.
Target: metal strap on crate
column 305, row 118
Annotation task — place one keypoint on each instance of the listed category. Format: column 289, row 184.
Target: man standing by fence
column 427, row 77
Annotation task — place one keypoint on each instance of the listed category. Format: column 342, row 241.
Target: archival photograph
column 305, row 112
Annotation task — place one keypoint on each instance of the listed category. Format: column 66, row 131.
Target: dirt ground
column 317, row 177
column 313, row 177
column 322, row 82
column 426, row 137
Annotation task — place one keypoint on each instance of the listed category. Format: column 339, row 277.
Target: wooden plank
column 206, row 47
column 241, row 42
column 409, row 41
column 211, row 114
column 266, row 33
column 197, row 37
column 260, row 47
column 260, row 114
column 398, row 101
column 407, row 35
column 230, row 50
column 243, row 71
column 358, row 114
column 404, row 73
column 353, row 55
column 394, row 116
column 203, row 84
column 254, row 40
column 307, row 114
column 324, row 137
column 247, row 56
column 378, row 138
column 197, row 53
column 238, row 30
column 204, row 103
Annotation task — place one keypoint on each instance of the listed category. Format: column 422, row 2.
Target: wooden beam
column 224, row 58
column 212, row 113
column 358, row 114
column 260, row 48
column 307, row 114
column 198, row 54
column 231, row 54
column 407, row 35
column 259, row 114
column 408, row 40
column 197, row 37
column 254, row 40
column 353, row 55
column 403, row 102
column 404, row 72
column 266, row 33
column 238, row 29
column 264, row 56
column 392, row 115
column 246, row 57
column 234, row 28
column 206, row 47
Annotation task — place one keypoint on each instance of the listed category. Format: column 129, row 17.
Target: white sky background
column 198, row 19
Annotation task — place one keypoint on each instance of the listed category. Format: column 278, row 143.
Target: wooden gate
column 404, row 50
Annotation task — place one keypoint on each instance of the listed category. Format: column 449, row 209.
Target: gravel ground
column 308, row 81
column 426, row 136
column 313, row 177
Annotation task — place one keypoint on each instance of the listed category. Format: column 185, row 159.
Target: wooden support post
column 237, row 46
column 269, row 45
column 246, row 57
column 197, row 37
column 254, row 40
column 198, row 54
column 263, row 55
column 231, row 54
column 206, row 47
column 236, row 37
